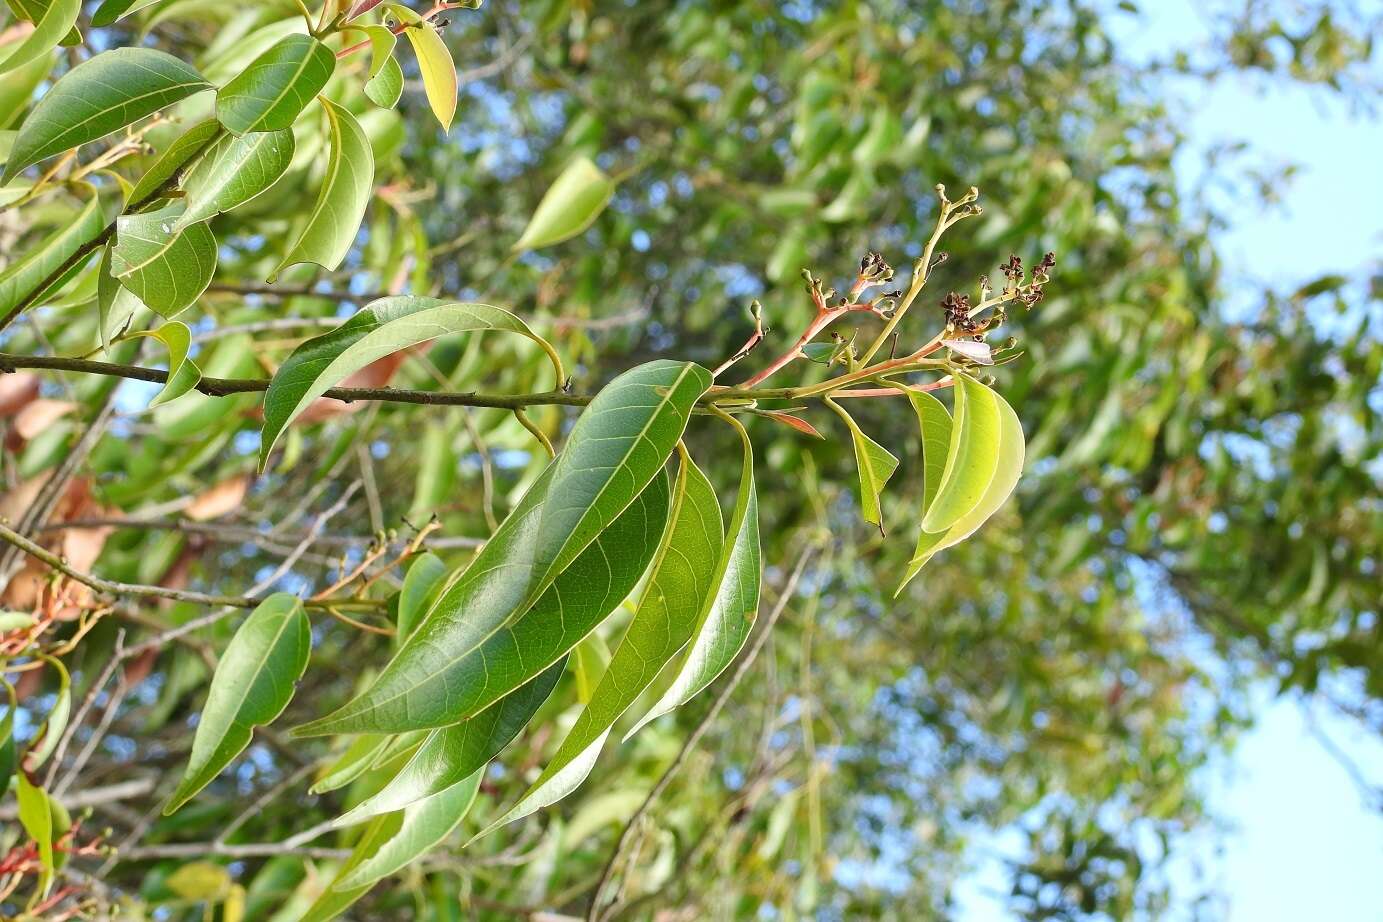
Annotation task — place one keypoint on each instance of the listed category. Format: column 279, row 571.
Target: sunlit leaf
column 252, row 685
column 45, row 742
column 166, row 268
column 17, row 88
column 177, row 155
column 971, row 458
column 56, row 23
column 350, row 172
column 570, row 205
column 36, row 816
column 234, row 171
column 334, row 900
column 874, row 463
column 434, row 61
column 19, row 280
column 384, row 83
column 270, row 93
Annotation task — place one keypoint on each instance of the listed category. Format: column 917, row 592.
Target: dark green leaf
column 270, row 93
column 234, row 171
column 104, row 94
column 252, row 685
column 166, row 268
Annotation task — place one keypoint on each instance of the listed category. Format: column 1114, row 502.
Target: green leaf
column 168, row 269
column 434, row 62
column 270, row 93
column 350, row 174
column 234, row 171
column 362, row 753
column 875, row 464
column 36, row 816
column 589, row 660
column 8, row 753
column 20, row 279
column 17, row 88
column 56, row 23
column 333, row 901
column 971, row 458
column 15, row 620
column 616, row 448
column 451, row 754
column 682, row 574
column 103, row 94
column 384, row 85
column 728, row 610
column 111, row 11
column 425, row 824
column 380, row 328
column 252, row 685
column 1008, row 468
column 570, row 205
column 32, row 11
column 46, row 740
column 421, row 584
column 115, row 304
column 187, row 146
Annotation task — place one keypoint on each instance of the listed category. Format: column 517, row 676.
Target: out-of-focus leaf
column 570, row 205
column 380, row 328
column 434, row 61
column 183, row 373
column 971, row 458
column 334, row 900
column 270, row 93
column 362, row 753
column 102, row 94
column 54, row 725
column 252, row 685
column 874, row 463
column 234, row 171
column 166, row 268
column 616, row 448
column 17, row 88
column 350, row 174
column 21, row 278
column 200, row 880
column 36, row 816
column 56, row 23
column 8, row 755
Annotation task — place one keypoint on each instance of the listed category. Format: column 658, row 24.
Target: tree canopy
column 658, row 460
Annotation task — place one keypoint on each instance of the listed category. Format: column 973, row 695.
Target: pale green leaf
column 17, row 88
column 874, row 463
column 54, row 725
column 270, row 93
column 971, row 458
column 8, row 751
column 253, row 684
column 425, row 824
column 451, row 754
column 36, row 816
column 103, row 94
column 166, row 268
column 683, row 570
column 384, row 83
column 115, row 304
column 589, row 660
column 22, row 277
column 617, row 447
column 570, row 205
column 434, row 62
column 182, row 151
column 359, row 756
column 234, row 171
column 421, row 584
column 56, row 23
column 728, row 611
column 346, row 186
column 15, row 621
column 380, row 328
column 334, row 900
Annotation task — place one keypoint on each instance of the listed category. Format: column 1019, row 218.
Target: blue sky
column 1301, row 841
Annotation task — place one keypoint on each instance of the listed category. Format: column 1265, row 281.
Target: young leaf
column 570, row 205
column 234, row 171
column 54, row 725
column 424, row 579
column 1008, row 469
column 102, row 94
column 20, row 279
column 57, row 21
column 875, row 464
column 795, row 422
column 252, row 685
column 166, row 268
column 971, row 458
column 434, row 61
column 36, row 816
column 270, row 93
column 178, row 154
column 729, row 608
column 115, row 304
column 681, row 579
column 380, row 328
column 451, row 754
column 350, row 174
column 616, row 448
column 384, row 84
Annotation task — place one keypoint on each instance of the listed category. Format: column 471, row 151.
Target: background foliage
column 1199, row 507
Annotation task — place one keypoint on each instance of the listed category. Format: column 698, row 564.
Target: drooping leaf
column 55, row 24
column 727, row 614
column 434, row 61
column 20, row 279
column 795, row 422
column 36, row 816
column 270, row 93
column 103, row 94
column 451, row 754
column 350, row 174
column 182, row 151
column 425, row 824
column 380, row 328
column 616, row 448
column 115, row 304
column 570, row 205
column 874, row 463
column 421, row 584
column 362, row 753
column 683, row 570
column 384, row 83
column 252, row 685
column 166, row 268
column 971, row 458
column 1008, row 469
column 234, row 171
column 8, row 753
column 333, row 900
column 54, row 725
